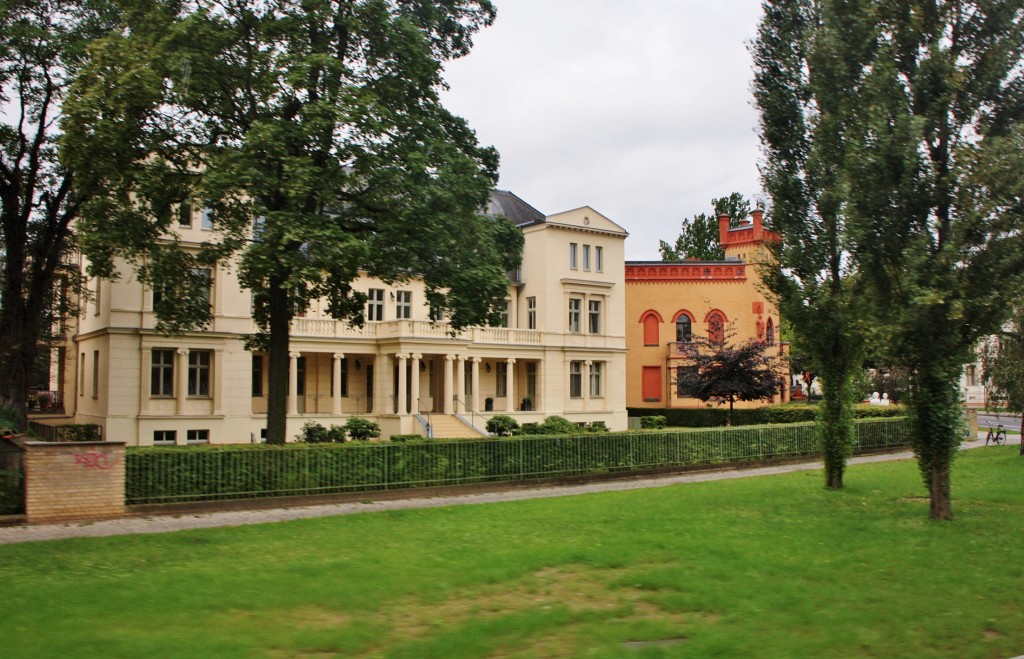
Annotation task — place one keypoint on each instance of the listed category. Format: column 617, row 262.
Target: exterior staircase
column 451, row 427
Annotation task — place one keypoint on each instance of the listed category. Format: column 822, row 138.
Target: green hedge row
column 714, row 417
column 164, row 475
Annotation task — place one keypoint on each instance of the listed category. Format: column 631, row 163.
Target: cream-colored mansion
column 561, row 351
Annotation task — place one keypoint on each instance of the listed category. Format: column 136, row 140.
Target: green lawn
column 763, row 567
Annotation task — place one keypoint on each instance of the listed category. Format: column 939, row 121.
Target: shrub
column 530, row 429
column 79, row 432
column 788, row 413
column 362, row 429
column 597, row 426
column 9, row 417
column 653, row 422
column 313, row 433
column 558, row 425
column 405, row 438
column 502, row 425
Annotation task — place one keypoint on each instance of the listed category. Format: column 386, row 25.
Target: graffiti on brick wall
column 93, row 460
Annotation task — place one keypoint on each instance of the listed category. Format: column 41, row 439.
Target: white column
column 381, row 384
column 182, row 393
column 509, row 392
column 336, row 399
column 460, row 383
column 475, row 378
column 414, row 385
column 449, row 393
column 293, row 382
column 403, row 408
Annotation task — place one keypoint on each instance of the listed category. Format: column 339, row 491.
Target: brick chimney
column 757, row 215
column 723, row 229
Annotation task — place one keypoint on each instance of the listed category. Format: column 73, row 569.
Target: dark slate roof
column 515, row 209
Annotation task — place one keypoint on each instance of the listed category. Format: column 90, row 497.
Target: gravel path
column 169, row 523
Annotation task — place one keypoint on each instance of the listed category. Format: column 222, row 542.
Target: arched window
column 769, row 332
column 716, row 328
column 652, row 329
column 684, row 329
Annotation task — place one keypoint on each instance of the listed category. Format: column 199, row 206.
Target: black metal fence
column 179, row 474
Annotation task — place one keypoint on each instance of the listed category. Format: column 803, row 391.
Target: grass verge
column 762, row 567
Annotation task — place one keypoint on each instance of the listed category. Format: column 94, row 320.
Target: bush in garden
column 313, row 433
column 597, row 426
column 655, row 422
column 362, row 429
column 502, row 425
column 530, row 429
column 558, row 425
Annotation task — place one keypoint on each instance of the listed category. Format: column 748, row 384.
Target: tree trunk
column 941, row 505
column 836, row 428
column 935, row 403
column 278, row 363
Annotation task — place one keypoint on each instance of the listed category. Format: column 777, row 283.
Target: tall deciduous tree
column 725, row 372
column 42, row 47
column 807, row 60
column 936, row 148
column 698, row 237
column 314, row 132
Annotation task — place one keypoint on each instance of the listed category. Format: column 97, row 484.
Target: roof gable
column 586, row 218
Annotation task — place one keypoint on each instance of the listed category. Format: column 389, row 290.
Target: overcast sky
column 641, row 110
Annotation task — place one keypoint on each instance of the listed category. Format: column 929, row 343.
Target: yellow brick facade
column 662, row 298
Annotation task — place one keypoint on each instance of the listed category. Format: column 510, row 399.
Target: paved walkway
column 169, row 523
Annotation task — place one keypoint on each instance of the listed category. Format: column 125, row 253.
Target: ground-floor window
column 651, row 384
column 197, row 436
column 165, row 437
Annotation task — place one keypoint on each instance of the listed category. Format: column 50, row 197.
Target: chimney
column 757, row 215
column 723, row 229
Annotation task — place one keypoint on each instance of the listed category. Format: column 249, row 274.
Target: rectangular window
column 594, row 316
column 531, row 379
column 598, row 258
column 197, row 436
column 586, row 257
column 575, row 310
column 651, row 384
column 204, row 282
column 206, row 219
column 595, row 380
column 403, row 305
column 257, row 376
column 199, row 373
column 505, row 313
column 98, row 296
column 185, row 214
column 161, row 373
column 165, row 437
column 375, row 304
column 259, row 225
column 572, row 256
column 437, row 313
column 531, row 313
column 500, row 374
column 576, row 379
column 95, row 373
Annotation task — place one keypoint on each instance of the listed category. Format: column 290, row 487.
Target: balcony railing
column 412, row 329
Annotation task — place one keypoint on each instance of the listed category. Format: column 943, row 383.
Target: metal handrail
column 473, row 416
column 430, row 420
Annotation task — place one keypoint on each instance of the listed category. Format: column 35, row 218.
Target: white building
column 561, row 352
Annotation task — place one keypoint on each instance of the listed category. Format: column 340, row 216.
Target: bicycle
column 998, row 437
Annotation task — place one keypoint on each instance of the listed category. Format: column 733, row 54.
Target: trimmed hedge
column 715, row 417
column 174, row 474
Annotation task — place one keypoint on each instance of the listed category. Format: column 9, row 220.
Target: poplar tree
column 314, row 132
column 936, row 199
column 807, row 59
column 921, row 144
